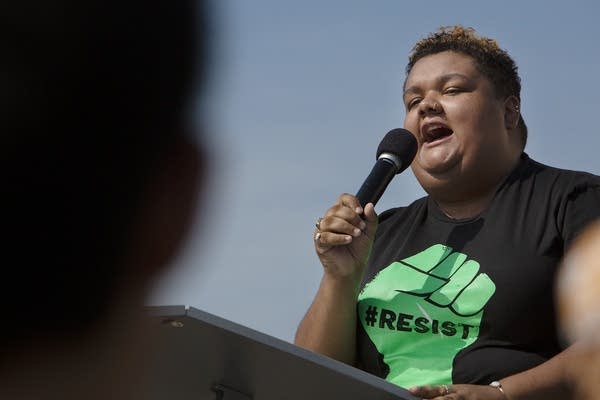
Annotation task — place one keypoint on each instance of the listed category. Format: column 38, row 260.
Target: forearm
column 550, row 380
column 329, row 326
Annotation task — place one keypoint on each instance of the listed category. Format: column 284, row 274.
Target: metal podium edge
column 279, row 344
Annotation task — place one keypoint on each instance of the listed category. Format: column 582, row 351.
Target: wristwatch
column 498, row 386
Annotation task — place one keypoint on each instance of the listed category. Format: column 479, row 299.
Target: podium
column 205, row 357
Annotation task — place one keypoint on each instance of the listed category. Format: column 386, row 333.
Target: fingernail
column 356, row 232
column 362, row 225
column 358, row 210
column 348, row 238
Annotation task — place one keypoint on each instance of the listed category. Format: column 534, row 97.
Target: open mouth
column 435, row 133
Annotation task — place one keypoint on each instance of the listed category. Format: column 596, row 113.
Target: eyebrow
column 439, row 80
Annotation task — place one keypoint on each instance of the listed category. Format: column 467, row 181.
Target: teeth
column 431, row 128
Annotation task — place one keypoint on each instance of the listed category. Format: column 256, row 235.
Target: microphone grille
column 401, row 143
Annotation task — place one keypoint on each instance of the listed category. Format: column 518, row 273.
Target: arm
column 329, row 326
column 343, row 243
column 551, row 380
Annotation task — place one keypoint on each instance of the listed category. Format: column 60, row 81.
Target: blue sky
column 302, row 93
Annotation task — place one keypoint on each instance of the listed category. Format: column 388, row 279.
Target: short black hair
column 492, row 61
column 92, row 94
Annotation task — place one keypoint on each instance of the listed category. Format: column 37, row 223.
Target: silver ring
column 446, row 390
column 318, row 223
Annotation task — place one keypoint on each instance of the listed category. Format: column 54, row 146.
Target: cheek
column 462, row 112
column 411, row 123
column 472, row 119
column 487, row 122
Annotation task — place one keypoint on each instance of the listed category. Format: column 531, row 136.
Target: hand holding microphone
column 344, row 236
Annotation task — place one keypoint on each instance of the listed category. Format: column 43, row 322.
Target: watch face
column 497, row 385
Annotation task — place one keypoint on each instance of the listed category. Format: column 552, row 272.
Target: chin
column 437, row 178
column 440, row 167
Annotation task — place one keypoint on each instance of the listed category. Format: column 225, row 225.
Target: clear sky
column 302, row 93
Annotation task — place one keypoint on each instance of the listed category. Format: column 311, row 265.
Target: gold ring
column 318, row 223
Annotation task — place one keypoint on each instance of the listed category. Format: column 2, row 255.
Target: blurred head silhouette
column 101, row 168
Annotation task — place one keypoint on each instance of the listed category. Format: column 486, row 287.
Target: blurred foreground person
column 578, row 299
column 100, row 172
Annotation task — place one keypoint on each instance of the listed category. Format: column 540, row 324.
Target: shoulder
column 560, row 182
column 572, row 197
column 563, row 174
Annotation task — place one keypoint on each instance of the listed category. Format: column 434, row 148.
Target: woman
column 452, row 295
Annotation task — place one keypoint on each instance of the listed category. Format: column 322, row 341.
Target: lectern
column 205, row 357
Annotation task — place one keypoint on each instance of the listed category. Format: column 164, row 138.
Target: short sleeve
column 582, row 207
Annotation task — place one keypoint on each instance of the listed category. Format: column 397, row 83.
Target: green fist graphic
column 420, row 312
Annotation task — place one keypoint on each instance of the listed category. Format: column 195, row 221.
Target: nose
column 429, row 105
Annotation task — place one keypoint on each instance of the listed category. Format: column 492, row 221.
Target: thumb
column 370, row 218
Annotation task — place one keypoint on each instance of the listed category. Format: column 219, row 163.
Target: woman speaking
column 452, row 295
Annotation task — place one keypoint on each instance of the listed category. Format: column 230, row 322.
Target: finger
column 370, row 218
column 431, row 392
column 326, row 240
column 343, row 212
column 422, row 391
column 338, row 224
column 456, row 284
column 350, row 201
column 472, row 300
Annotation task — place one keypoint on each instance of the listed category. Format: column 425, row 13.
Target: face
column 459, row 122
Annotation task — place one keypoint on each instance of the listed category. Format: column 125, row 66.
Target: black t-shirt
column 471, row 301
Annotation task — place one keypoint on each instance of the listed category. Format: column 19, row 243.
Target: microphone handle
column 373, row 187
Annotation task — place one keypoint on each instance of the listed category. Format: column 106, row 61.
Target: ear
column 512, row 112
column 168, row 208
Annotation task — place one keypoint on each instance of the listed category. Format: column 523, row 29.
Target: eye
column 413, row 102
column 453, row 90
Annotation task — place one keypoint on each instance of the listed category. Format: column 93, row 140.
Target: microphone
column 394, row 154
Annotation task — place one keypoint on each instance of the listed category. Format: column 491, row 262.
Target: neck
column 467, row 200
column 464, row 209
